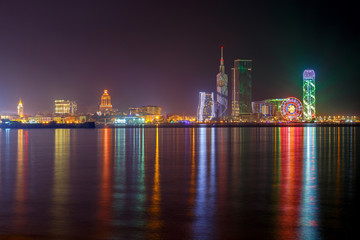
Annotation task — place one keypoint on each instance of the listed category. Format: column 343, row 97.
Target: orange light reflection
column 155, row 211
column 20, row 188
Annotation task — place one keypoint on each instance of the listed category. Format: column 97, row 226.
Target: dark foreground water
column 202, row 183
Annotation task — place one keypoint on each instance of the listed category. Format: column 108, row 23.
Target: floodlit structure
column 65, row 107
column 134, row 111
column 291, row 109
column 242, row 76
column 152, row 110
column 222, row 89
column 105, row 102
column 20, row 109
column 268, row 107
column 206, row 109
column 309, row 94
column 130, row 121
column 235, row 91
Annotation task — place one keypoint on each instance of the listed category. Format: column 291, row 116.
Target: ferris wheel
column 291, row 109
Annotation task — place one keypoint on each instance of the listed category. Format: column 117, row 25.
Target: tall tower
column 222, row 89
column 234, row 92
column 20, row 109
column 242, row 77
column 206, row 110
column 309, row 94
column 105, row 102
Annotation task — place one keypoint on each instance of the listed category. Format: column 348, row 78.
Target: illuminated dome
column 105, row 102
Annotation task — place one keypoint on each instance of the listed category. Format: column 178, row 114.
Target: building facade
column 206, row 108
column 243, row 79
column 234, row 91
column 65, row 107
column 267, row 108
column 309, row 94
column 20, row 109
column 151, row 110
column 221, row 90
column 105, row 104
column 134, row 111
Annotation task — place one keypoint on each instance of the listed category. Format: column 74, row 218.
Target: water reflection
column 196, row 183
column 105, row 193
column 139, row 177
column 129, row 190
column 192, row 182
column 155, row 222
column 21, row 189
column 290, row 181
column 206, row 190
column 120, row 169
column 309, row 200
column 61, row 194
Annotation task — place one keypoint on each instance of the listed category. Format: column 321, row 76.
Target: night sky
column 164, row 53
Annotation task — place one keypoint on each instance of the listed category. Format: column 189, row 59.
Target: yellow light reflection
column 61, row 181
column 338, row 165
column 20, row 187
column 155, row 223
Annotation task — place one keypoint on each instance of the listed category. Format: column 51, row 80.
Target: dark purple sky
column 164, row 53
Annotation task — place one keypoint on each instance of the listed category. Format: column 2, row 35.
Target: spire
column 222, row 66
column 20, row 109
column 222, row 53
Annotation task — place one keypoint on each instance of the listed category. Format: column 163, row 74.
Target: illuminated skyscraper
column 309, row 94
column 242, row 76
column 206, row 109
column 65, row 107
column 105, row 102
column 235, row 90
column 222, row 89
column 20, row 109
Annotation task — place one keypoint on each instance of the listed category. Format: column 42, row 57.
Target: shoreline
column 228, row 125
column 93, row 125
column 46, row 125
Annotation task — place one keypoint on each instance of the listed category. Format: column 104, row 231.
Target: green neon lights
column 309, row 94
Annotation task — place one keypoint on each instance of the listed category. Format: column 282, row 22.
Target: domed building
column 105, row 105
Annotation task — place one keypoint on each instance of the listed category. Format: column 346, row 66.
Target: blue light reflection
column 309, row 199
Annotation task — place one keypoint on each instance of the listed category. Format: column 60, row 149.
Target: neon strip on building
column 309, row 94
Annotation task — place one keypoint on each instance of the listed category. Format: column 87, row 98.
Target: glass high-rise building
column 241, row 87
column 206, row 109
column 235, row 91
column 309, row 94
column 221, row 89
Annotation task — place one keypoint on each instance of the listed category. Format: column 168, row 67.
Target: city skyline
column 179, row 119
column 100, row 46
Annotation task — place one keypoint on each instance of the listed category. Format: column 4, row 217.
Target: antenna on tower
column 222, row 50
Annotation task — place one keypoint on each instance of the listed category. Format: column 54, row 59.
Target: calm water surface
column 188, row 183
